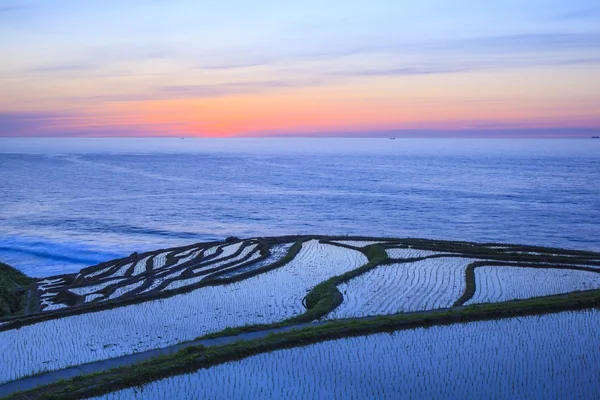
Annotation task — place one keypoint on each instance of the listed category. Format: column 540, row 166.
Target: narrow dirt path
column 47, row 378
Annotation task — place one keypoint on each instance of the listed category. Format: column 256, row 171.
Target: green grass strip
column 320, row 301
column 194, row 358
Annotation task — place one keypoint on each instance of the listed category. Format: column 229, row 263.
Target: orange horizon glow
column 374, row 75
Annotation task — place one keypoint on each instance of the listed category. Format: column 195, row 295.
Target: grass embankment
column 321, row 300
column 325, row 297
column 471, row 283
column 492, row 251
column 13, row 291
column 197, row 357
column 18, row 321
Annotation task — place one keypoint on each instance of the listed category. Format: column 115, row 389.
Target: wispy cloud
column 558, row 45
column 525, row 42
column 234, row 58
column 99, row 59
column 130, row 52
column 234, row 88
column 424, row 69
column 44, row 124
column 433, row 57
column 587, row 13
column 26, row 123
column 453, row 66
column 64, row 68
column 173, row 92
column 9, row 9
column 47, row 124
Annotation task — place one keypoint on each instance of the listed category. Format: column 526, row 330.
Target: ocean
column 70, row 203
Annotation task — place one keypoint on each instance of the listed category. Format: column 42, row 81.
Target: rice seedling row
column 395, row 252
column 191, row 256
column 223, row 260
column 140, row 266
column 503, row 283
column 278, row 252
column 121, row 272
column 504, row 359
column 160, row 280
column 186, row 253
column 269, row 297
column 98, row 272
column 230, row 249
column 159, row 260
column 123, row 282
column 49, row 305
column 45, row 282
column 403, row 287
column 272, row 296
column 123, row 290
column 95, row 288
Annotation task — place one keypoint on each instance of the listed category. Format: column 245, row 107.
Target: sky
column 184, row 68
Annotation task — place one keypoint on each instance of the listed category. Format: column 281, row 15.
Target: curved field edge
column 193, row 358
column 325, row 297
column 471, row 282
column 495, row 251
column 321, row 299
column 19, row 321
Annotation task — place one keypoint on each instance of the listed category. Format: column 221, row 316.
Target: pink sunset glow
column 416, row 71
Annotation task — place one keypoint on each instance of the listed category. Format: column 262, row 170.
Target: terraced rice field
column 160, row 298
column 400, row 253
column 390, row 289
column 149, row 273
column 278, row 252
column 269, row 297
column 523, row 358
column 496, row 284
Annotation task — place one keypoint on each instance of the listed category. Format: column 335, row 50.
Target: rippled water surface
column 68, row 203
